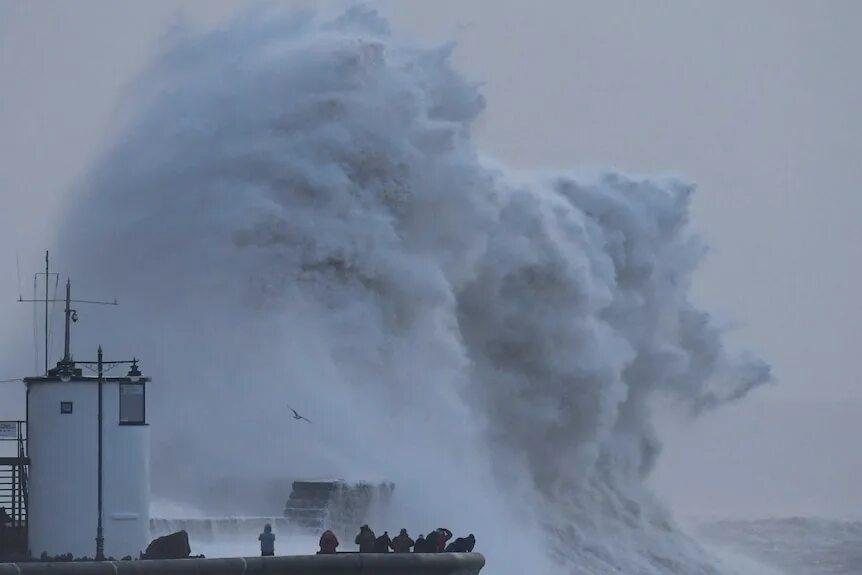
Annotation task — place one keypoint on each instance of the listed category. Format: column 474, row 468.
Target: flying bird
column 297, row 416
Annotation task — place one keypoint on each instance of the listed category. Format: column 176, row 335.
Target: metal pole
column 100, row 541
column 15, row 516
column 46, row 311
column 66, row 357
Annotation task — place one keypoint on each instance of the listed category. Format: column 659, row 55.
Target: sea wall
column 216, row 528
column 342, row 564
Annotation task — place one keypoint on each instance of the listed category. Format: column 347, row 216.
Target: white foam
column 306, row 221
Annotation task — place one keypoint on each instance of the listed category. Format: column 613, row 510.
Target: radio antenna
column 71, row 315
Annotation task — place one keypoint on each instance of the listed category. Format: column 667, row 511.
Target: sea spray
column 294, row 212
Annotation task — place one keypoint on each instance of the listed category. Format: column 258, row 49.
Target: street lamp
column 134, row 375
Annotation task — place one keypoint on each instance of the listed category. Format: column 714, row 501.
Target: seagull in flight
column 297, row 416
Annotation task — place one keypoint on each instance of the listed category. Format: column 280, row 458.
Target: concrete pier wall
column 346, row 564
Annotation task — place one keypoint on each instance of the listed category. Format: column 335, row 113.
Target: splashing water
column 306, row 220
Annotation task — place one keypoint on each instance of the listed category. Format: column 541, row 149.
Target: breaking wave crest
column 306, row 220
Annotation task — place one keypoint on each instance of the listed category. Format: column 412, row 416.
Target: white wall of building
column 63, row 472
column 126, row 488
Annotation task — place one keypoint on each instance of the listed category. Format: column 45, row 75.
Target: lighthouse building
column 80, row 481
column 63, row 425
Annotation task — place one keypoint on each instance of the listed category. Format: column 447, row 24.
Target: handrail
column 16, row 495
column 20, row 433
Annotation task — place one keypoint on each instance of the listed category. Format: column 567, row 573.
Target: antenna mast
column 47, row 276
column 65, row 365
column 47, row 273
column 70, row 314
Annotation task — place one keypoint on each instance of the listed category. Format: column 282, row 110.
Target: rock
column 173, row 546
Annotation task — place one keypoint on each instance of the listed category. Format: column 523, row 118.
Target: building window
column 133, row 404
column 65, row 407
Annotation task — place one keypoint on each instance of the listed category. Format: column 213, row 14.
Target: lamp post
column 100, row 540
column 134, row 374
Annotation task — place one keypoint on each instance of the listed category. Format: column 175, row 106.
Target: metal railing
column 13, row 471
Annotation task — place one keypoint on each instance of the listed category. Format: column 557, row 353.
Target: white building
column 89, row 457
column 63, row 445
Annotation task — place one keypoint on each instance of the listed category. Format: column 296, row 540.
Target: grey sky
column 758, row 102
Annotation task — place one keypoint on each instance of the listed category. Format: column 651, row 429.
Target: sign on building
column 8, row 430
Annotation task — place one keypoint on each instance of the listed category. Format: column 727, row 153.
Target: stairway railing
column 14, row 497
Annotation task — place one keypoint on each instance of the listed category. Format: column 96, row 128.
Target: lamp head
column 134, row 373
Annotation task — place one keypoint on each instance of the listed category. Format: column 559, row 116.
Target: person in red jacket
column 328, row 543
column 444, row 536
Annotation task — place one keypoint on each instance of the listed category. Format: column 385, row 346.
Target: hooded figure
column 402, row 543
column 419, row 546
column 365, row 539
column 462, row 545
column 328, row 543
column 382, row 543
column 267, row 541
column 471, row 543
column 431, row 542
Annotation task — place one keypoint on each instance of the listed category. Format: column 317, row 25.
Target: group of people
column 435, row 542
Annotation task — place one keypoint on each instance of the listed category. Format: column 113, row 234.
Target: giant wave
column 304, row 218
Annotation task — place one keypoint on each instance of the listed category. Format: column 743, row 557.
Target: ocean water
column 792, row 546
column 285, row 544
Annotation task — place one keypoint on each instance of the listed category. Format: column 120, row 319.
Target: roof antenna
column 18, row 266
column 65, row 365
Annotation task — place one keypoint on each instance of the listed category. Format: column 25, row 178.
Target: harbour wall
column 342, row 564
column 215, row 528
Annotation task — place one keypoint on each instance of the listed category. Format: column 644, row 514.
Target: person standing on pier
column 267, row 541
column 365, row 539
column 402, row 543
column 382, row 543
column 328, row 543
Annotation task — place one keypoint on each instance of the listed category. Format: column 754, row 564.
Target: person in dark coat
column 431, row 542
column 365, row 539
column 402, row 543
column 4, row 520
column 382, row 543
column 267, row 541
column 328, row 543
column 419, row 546
column 471, row 543
column 462, row 545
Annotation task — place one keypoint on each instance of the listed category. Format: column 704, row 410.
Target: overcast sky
column 758, row 102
